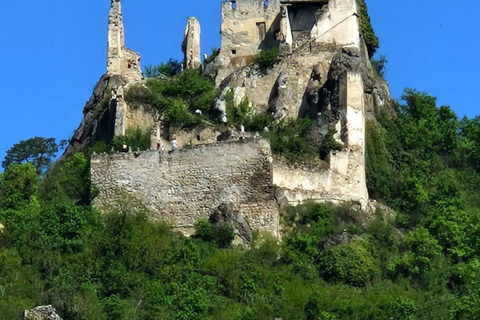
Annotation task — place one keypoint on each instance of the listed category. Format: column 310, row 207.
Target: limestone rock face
column 98, row 123
column 106, row 114
column 191, row 44
column 41, row 313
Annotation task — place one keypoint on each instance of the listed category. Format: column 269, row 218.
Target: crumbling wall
column 120, row 60
column 183, row 186
column 191, row 44
column 247, row 27
column 338, row 24
column 345, row 178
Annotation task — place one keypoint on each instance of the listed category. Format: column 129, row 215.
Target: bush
column 288, row 138
column 177, row 114
column 140, row 95
column 165, row 69
column 179, row 97
column 267, row 59
column 258, row 121
column 351, row 263
column 136, row 139
column 379, row 65
column 221, row 234
column 237, row 114
column 329, row 144
column 368, row 32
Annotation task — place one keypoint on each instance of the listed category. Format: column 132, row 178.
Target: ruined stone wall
column 345, row 179
column 191, row 44
column 186, row 185
column 120, row 60
column 338, row 24
column 242, row 29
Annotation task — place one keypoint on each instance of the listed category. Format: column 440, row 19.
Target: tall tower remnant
column 120, row 60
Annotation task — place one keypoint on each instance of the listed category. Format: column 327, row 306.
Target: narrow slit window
column 262, row 30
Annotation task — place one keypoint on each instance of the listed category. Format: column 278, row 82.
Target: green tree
column 37, row 151
column 18, row 186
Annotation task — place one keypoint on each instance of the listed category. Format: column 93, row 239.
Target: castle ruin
column 323, row 73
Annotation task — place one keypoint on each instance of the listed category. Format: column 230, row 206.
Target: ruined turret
column 191, row 44
column 120, row 60
column 105, row 114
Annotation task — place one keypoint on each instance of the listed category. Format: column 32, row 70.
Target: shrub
column 136, row 139
column 177, row 114
column 288, row 138
column 371, row 39
column 166, row 69
column 196, row 91
column 266, row 59
column 140, row 95
column 258, row 121
column 351, row 263
column 237, row 114
column 379, row 65
column 329, row 144
column 221, row 234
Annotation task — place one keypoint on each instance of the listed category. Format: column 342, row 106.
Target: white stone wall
column 240, row 39
column 183, row 186
column 339, row 25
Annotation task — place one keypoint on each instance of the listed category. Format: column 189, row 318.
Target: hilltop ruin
column 323, row 72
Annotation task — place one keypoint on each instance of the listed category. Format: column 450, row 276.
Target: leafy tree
column 167, row 69
column 37, row 151
column 18, row 186
column 351, row 263
column 418, row 253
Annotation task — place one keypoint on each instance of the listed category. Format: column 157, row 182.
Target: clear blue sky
column 52, row 52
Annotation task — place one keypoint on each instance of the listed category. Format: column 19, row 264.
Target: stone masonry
column 120, row 60
column 183, row 186
column 323, row 73
column 191, row 44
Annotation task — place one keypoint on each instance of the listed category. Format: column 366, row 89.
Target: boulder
column 226, row 213
column 41, row 313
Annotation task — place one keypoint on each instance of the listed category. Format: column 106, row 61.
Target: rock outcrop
column 41, row 313
column 106, row 112
column 226, row 213
column 99, row 114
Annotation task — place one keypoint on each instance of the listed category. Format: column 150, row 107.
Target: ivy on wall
column 368, row 32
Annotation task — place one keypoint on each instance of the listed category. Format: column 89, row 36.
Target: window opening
column 262, row 31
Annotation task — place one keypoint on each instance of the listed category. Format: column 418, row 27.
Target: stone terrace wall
column 186, row 185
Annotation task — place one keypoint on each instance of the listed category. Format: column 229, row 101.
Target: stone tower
column 191, row 44
column 120, row 60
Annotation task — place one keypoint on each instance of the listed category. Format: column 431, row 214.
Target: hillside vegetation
column 424, row 263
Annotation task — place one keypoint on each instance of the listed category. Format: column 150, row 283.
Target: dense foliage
column 421, row 264
column 371, row 39
column 180, row 96
column 135, row 139
column 266, row 59
column 37, row 151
